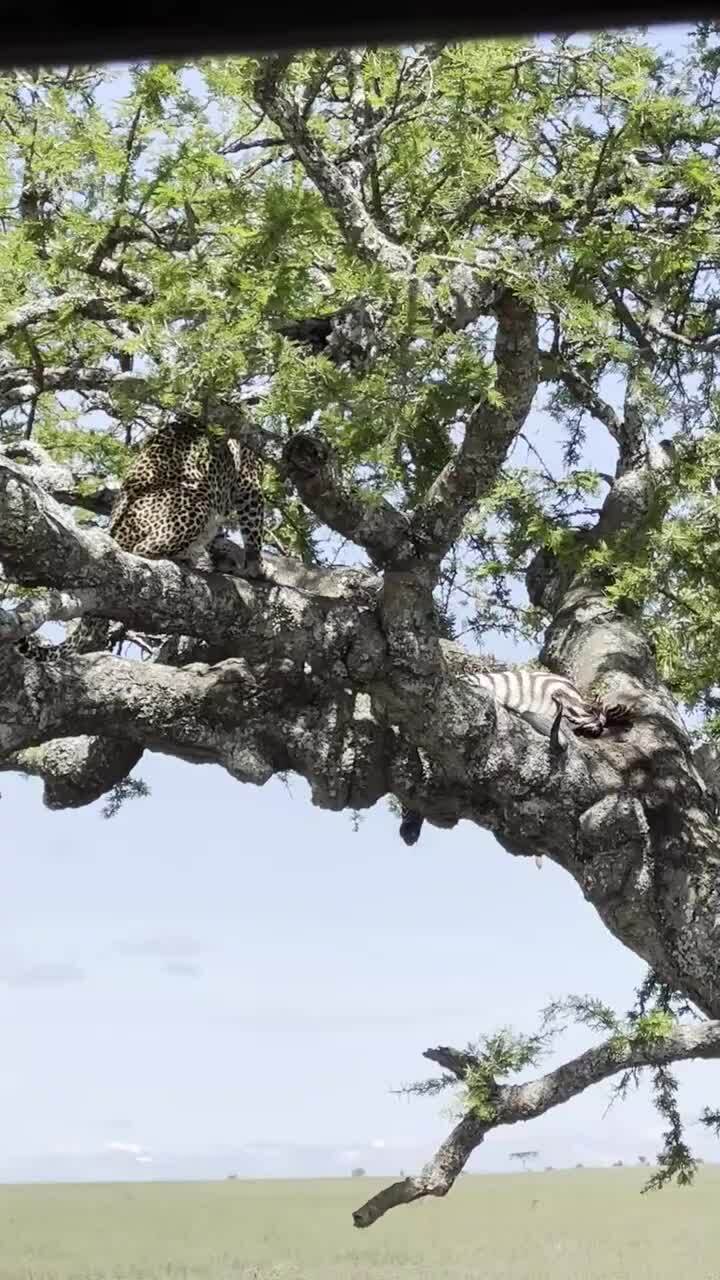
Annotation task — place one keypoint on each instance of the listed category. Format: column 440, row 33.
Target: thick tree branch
column 707, row 761
column 253, row 721
column 41, row 546
column 317, row 681
column 371, row 523
column 42, row 310
column 668, row 897
column 635, row 502
column 435, row 1179
column 76, row 771
column 632, row 503
column 490, row 431
column 513, row 1104
column 32, row 612
column 59, row 479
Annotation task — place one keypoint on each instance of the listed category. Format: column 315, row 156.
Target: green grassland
column 581, row 1225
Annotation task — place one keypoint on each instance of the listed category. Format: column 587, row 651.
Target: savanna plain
column 579, row 1225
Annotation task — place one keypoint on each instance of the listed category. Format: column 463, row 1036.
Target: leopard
column 184, row 486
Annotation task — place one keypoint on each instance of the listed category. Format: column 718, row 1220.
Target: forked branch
column 491, row 429
column 514, row 1103
column 342, row 197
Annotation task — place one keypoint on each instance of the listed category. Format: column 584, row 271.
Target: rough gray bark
column 339, row 675
column 489, row 432
column 61, row 481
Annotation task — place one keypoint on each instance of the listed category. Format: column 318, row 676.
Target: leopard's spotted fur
column 179, row 491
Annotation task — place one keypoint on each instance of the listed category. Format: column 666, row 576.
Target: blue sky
column 225, row 979
column 222, row 968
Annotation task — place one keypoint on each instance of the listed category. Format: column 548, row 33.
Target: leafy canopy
column 176, row 234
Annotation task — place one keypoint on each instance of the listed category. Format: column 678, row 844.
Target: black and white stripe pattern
column 535, row 696
column 543, row 700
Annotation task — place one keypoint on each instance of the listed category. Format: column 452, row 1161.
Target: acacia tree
column 374, row 264
column 524, row 1156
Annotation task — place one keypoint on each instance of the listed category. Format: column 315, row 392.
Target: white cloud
column 183, row 969
column 127, row 1148
column 44, row 975
column 378, row 1144
column 167, row 948
column 143, row 1159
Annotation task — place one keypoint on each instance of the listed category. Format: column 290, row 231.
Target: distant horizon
column 272, row 1162
column 366, row 1176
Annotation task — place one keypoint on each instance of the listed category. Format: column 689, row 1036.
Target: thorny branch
column 513, row 1104
column 628, row 429
column 76, row 770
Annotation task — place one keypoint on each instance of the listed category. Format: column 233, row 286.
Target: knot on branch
column 307, row 452
column 354, row 339
column 350, row 336
column 616, row 841
column 548, row 577
column 472, row 295
column 615, row 821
